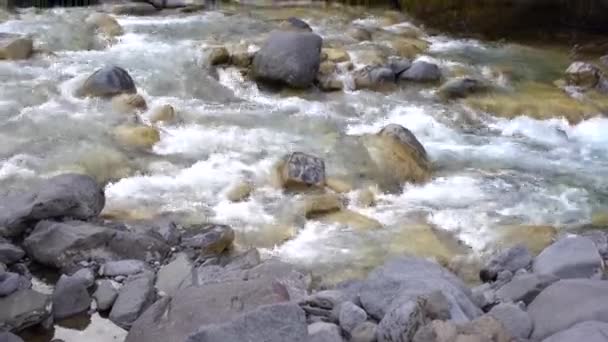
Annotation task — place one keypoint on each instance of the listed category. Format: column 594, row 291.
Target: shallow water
column 491, row 172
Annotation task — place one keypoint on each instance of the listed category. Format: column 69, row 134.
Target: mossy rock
column 137, row 136
column 409, row 47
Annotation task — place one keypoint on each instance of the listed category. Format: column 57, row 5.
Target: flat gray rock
column 570, row 257
column 350, row 316
column 86, row 276
column 70, row 297
column 324, row 332
column 105, row 295
column 421, row 71
column 524, row 287
column 9, row 283
column 135, row 296
column 590, row 331
column 401, row 323
column 516, row 321
column 23, row 309
column 511, row 259
column 122, row 267
column 170, row 276
column 10, row 253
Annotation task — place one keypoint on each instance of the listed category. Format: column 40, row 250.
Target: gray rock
column 15, row 47
column 209, row 239
column 436, row 306
column 134, row 245
column 399, row 66
column 291, row 58
column 590, row 331
column 297, row 24
column 86, row 276
column 375, row 77
column 524, row 288
column 566, row 303
column 68, row 195
column 364, row 332
column 122, row 267
column 23, row 309
column 70, row 297
column 421, row 71
column 583, row 75
column 105, row 295
column 135, row 296
column 401, row 323
column 108, row 81
column 462, row 87
column 328, row 299
column 2, row 268
column 516, row 321
column 170, row 276
column 604, row 60
column 272, row 323
column 600, row 238
column 303, row 169
column 10, row 253
column 162, row 229
column 511, row 259
column 167, row 4
column 140, row 8
column 324, row 332
column 247, row 260
column 359, row 33
column 570, row 257
column 8, row 337
column 405, row 136
column 351, row 316
column 9, row 283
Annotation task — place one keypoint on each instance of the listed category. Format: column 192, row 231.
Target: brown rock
column 14, row 47
column 164, row 113
column 239, row 192
column 137, row 136
column 127, row 103
column 218, row 55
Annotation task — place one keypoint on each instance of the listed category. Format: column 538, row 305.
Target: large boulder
column 68, row 195
column 566, row 303
column 570, row 257
column 208, row 239
column 524, row 288
column 590, row 331
column 23, row 309
column 134, row 298
column 516, row 321
column 14, row 46
column 511, row 259
column 70, row 297
column 290, row 58
column 107, row 82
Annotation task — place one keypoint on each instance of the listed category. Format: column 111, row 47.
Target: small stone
column 127, row 103
column 364, row 332
column 70, row 297
column 324, row 332
column 10, row 253
column 303, row 169
column 120, row 278
column 136, row 295
column 15, row 47
column 570, row 257
column 86, row 275
column 583, row 75
column 239, row 192
column 9, row 283
column 241, row 59
column 516, row 321
column 164, row 113
column 122, row 267
column 336, row 55
column 359, row 33
column 511, row 259
column 402, row 322
column 105, row 295
column 351, row 316
column 209, row 239
column 218, row 55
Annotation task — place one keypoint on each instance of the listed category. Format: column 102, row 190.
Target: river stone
column 68, row 195
column 291, row 58
column 566, row 303
column 364, row 332
column 295, row 24
column 70, row 297
column 570, row 257
column 516, row 321
column 170, row 276
column 324, row 332
column 9, row 283
column 165, row 114
column 485, row 328
column 359, row 33
column 135, row 296
column 23, row 309
column 399, row 65
column 209, row 239
column 217, row 55
column 86, row 276
column 524, row 288
column 511, row 259
column 8, row 337
column 351, row 316
column 462, row 87
column 105, row 295
column 421, row 71
column 439, row 331
column 140, row 8
column 107, row 82
column 10, row 253
column 271, row 323
column 375, row 78
column 302, row 169
column 405, row 136
column 590, row 331
column 583, row 75
column 14, row 46
column 104, row 24
column 122, row 267
column 161, row 229
column 127, row 103
column 401, row 323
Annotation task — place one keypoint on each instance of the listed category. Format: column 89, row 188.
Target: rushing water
column 490, row 172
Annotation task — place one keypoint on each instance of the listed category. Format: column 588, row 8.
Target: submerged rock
column 209, row 239
column 359, row 33
column 136, row 295
column 126, row 103
column 105, row 24
column 584, row 75
column 70, row 297
column 137, row 136
column 335, row 55
column 107, row 82
column 421, row 71
column 375, row 78
column 462, row 87
column 14, row 46
column 570, row 257
column 300, row 169
column 239, row 191
column 23, row 309
column 217, row 55
column 140, row 8
column 165, row 114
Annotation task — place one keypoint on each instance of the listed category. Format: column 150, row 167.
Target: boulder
column 135, row 8
column 314, row 205
column 399, row 66
column 300, row 169
column 15, row 47
column 104, row 24
column 566, row 303
column 209, row 239
column 524, row 288
column 335, row 55
column 351, row 316
column 164, row 113
column 401, row 323
column 324, row 332
column 68, row 195
column 290, row 58
column 217, row 55
column 241, row 59
column 10, row 253
column 409, row 47
column 485, row 328
column 172, row 4
column 421, row 71
column 23, row 309
column 350, row 219
column 107, row 82
column 364, row 332
column 122, row 267
column 462, row 87
column 136, row 295
column 295, row 24
column 511, row 259
column 86, row 276
column 516, row 321
column 375, row 78
column 359, row 33
column 570, row 257
column 9, row 283
column 127, row 103
column 170, row 276
column 590, row 331
column 584, row 75
column 405, row 137
column 70, row 297
column 239, row 191
column 139, row 136
column 105, row 295
column 8, row 337
column 438, row 331
column 165, row 230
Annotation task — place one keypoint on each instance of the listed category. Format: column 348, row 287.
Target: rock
column 335, row 55
column 107, row 82
column 462, row 87
column 23, row 309
column 364, row 332
column 409, row 47
column 566, row 303
column 162, row 229
column 326, row 69
column 399, row 66
column 516, row 321
column 351, row 316
column 349, row 219
column 136, row 295
column 139, row 8
column 590, row 331
column 324, row 332
column 239, row 191
column 512, row 259
column 359, row 33
column 404, row 136
column 375, row 78
column 271, row 323
column 524, row 288
column 583, row 75
column 170, row 276
column 122, row 267
column 421, row 71
column 209, row 239
column 10, row 253
column 70, row 297
column 8, row 337
column 245, row 261
column 485, row 328
column 437, row 331
column 365, row 198
column 291, row 58
column 241, row 59
column 570, row 257
column 128, row 103
column 164, row 113
column 218, row 55
column 295, row 24
column 105, row 295
column 86, row 276
column 15, row 47
column 338, row 185
column 104, row 24
column 137, row 136
column 9, row 283
column 314, row 205
column 401, row 323
column 68, row 195
column 536, row 238
column 299, row 169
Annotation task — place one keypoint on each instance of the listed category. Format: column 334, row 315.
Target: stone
column 164, row 230
column 359, row 33
column 86, row 276
column 584, row 75
column 241, row 59
column 10, row 253
column 173, row 4
column 437, row 331
column 239, row 191
column 135, row 296
column 137, row 136
column 300, row 169
column 570, row 257
column 68, row 195
column 511, row 259
column 590, row 331
column 536, row 238
column 324, row 332
column 409, row 47
column 165, row 114
column 15, row 47
column 139, row 8
column 128, row 103
column 105, row 295
column 271, row 323
column 335, row 55
column 516, row 321
column 485, row 328
column 365, row 198
column 350, row 219
column 314, row 205
column 351, row 316
column 399, row 66
column 295, row 24
column 8, row 337
column 9, row 283
column 107, row 82
column 566, row 303
column 421, row 71
column 104, row 24
column 245, row 261
column 217, row 55
column 290, row 58
column 122, row 267
column 462, row 87
column 170, row 276
column 23, row 309
column 70, row 297
column 524, row 288
column 364, row 332
column 208, row 238
column 404, row 136
column 375, row 78
column 401, row 323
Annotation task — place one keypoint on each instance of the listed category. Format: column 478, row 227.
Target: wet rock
column 365, row 198
column 584, row 75
column 516, row 321
column 324, row 332
column 330, row 84
column 241, row 59
column 338, row 185
column 536, row 238
column 295, row 24
column 209, row 239
column 218, row 55
column 359, row 33
column 170, row 276
column 570, row 257
column 376, row 78
column 165, row 114
column 135, row 296
column 350, row 219
column 137, row 136
column 351, row 316
column 140, row 8
column 161, row 229
column 104, row 24
column 566, row 303
column 409, row 47
column 421, row 71
column 437, row 331
column 590, row 331
column 86, row 276
column 315, row 205
column 524, row 288
column 399, row 66
column 485, row 328
column 70, row 297
column 8, row 337
column 9, row 283
column 271, row 323
column 128, row 103
column 245, row 261
column 364, row 332
column 172, row 4
column 23, row 309
column 107, row 82
column 239, row 191
column 462, row 87
column 122, row 267
column 512, row 259
column 10, row 253
column 300, row 169
column 15, row 47
column 335, row 55
column 105, row 295
column 291, row 58
column 67, row 195
column 405, row 136
column 401, row 323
